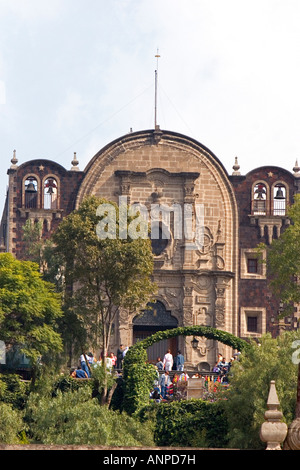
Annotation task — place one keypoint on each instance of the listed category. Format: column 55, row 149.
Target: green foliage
column 11, row 424
column 66, row 383
column 75, row 418
column 249, row 388
column 207, row 331
column 29, row 309
column 13, row 390
column 188, row 423
column 139, row 376
column 138, row 381
column 117, row 274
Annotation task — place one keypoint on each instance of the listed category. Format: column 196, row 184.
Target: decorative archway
column 207, row 331
column 138, row 375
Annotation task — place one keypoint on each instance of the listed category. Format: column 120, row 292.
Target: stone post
column 273, row 431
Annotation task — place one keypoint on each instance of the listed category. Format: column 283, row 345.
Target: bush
column 11, row 424
column 138, row 379
column 188, row 423
column 13, row 390
column 250, row 384
column 74, row 418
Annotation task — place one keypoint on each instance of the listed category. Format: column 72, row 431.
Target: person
column 179, row 361
column 168, row 360
column 78, row 374
column 83, row 363
column 164, row 382
column 120, row 356
column 224, row 370
column 220, row 358
column 159, row 364
column 155, row 395
column 90, row 358
column 114, row 359
column 108, row 363
column 125, row 351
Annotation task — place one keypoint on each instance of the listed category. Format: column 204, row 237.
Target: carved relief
column 211, row 255
column 204, row 346
column 220, row 303
column 203, row 317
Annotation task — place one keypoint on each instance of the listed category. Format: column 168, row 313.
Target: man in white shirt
column 168, row 361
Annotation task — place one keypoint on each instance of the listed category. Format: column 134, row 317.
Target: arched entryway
column 155, row 318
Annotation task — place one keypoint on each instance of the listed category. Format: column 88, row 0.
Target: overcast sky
column 74, row 75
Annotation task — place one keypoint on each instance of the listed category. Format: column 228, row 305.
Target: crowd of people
column 87, row 361
column 164, row 385
column 222, row 368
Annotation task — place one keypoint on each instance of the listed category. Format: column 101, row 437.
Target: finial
column 296, row 169
column 75, row 163
column 236, row 167
column 14, row 161
column 273, row 431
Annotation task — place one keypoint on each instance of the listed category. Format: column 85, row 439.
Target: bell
column 50, row 190
column 30, row 188
column 260, row 191
column 279, row 194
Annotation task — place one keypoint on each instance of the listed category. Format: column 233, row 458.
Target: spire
column 236, row 167
column 14, row 161
column 296, row 169
column 75, row 163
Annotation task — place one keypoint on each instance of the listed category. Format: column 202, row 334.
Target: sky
column 75, row 75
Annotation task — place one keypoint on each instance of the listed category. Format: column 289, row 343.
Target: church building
column 219, row 282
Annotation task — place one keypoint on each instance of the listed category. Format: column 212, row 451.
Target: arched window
column 50, row 193
column 279, row 199
column 159, row 239
column 31, row 193
column 259, row 199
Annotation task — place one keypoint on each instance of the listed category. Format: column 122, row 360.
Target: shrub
column 138, row 379
column 75, row 418
column 11, row 424
column 250, row 384
column 13, row 390
column 187, row 423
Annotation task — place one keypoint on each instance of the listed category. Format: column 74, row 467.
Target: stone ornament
column 292, row 441
column 273, row 431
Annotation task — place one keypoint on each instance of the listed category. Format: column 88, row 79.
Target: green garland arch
column 207, row 331
column 138, row 375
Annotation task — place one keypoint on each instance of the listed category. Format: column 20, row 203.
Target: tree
column 250, row 379
column 283, row 266
column 29, row 309
column 103, row 274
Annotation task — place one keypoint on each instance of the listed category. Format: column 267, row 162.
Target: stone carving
column 220, row 289
column 292, row 441
column 211, row 255
column 273, row 431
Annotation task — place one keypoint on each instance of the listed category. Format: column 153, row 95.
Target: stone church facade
column 219, row 282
